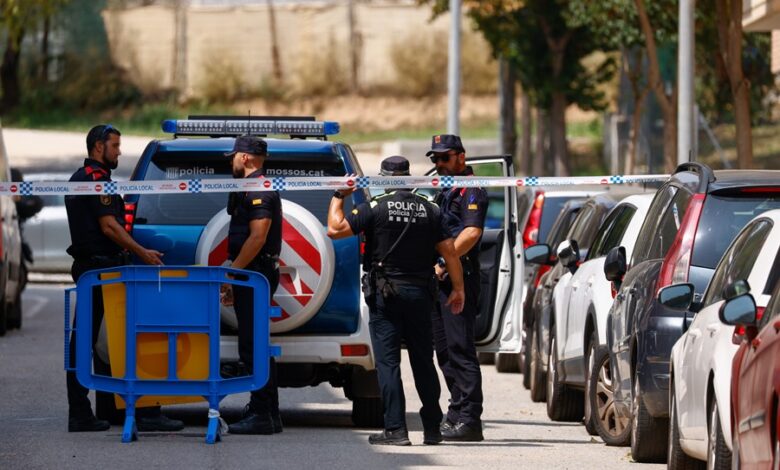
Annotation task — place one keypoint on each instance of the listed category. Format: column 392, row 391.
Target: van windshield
column 198, row 209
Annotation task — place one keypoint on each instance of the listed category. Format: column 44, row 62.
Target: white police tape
column 281, row 183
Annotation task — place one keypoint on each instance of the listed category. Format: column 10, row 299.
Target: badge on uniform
column 354, row 211
column 105, row 200
column 472, row 207
column 257, row 202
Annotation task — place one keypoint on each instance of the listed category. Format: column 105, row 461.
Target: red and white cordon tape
column 302, row 183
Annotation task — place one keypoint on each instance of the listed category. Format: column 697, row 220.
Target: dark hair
column 101, row 132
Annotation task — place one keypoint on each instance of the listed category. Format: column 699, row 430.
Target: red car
column 755, row 378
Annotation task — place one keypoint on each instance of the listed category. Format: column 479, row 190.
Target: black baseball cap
column 444, row 143
column 394, row 166
column 249, row 144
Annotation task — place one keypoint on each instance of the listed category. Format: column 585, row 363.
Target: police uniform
column 454, row 334
column 403, row 294
column 92, row 249
column 243, row 208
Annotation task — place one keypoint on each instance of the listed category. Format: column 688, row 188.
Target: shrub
column 321, row 73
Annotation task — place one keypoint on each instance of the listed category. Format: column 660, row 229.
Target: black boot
column 276, row 420
column 432, row 436
column 397, row 437
column 464, row 433
column 87, row 423
column 254, row 423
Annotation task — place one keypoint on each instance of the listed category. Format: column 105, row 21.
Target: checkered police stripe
column 194, row 186
column 302, row 183
column 278, row 183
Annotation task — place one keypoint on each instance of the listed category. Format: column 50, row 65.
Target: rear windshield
column 198, row 209
column 721, row 220
column 550, row 210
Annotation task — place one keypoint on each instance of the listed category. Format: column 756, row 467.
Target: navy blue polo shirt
column 254, row 205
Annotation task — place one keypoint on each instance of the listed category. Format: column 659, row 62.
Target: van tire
column 486, row 359
column 537, row 376
column 14, row 316
column 563, row 402
column 526, row 368
column 368, row 412
column 3, row 318
column 508, row 362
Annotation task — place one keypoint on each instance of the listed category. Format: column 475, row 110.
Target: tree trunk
column 9, row 72
column 506, row 98
column 354, row 45
column 525, row 125
column 44, row 70
column 537, row 168
column 558, row 143
column 667, row 103
column 633, row 70
column 276, row 61
column 729, row 14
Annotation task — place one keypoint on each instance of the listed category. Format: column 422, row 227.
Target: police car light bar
column 228, row 127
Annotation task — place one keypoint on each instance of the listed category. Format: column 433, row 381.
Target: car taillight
column 759, row 312
column 353, row 350
column 678, row 260
column 531, row 232
column 129, row 216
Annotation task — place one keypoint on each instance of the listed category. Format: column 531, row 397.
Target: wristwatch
column 338, row 195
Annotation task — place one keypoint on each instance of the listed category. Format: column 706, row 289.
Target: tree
column 19, row 16
column 547, row 54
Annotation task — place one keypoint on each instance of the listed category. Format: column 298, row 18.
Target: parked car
column 583, row 231
column 754, row 379
column 556, row 235
column 701, row 361
column 323, row 332
column 11, row 262
column 47, row 232
column 582, row 308
column 692, row 220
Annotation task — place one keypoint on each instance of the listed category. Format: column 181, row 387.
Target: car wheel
column 486, row 359
column 507, row 362
column 3, row 318
column 590, row 417
column 649, row 435
column 718, row 454
column 526, row 368
column 613, row 429
column 15, row 313
column 676, row 457
column 368, row 412
column 563, row 403
column 538, row 386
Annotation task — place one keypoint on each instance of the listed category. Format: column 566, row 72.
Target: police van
column 323, row 331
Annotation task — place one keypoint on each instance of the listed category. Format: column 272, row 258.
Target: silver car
column 47, row 232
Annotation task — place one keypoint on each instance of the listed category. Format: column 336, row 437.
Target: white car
column 701, row 361
column 582, row 309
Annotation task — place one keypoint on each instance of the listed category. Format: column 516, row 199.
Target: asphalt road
column 318, row 432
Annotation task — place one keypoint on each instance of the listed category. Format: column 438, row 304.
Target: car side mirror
column 615, row 265
column 537, row 254
column 676, row 296
column 740, row 310
column 735, row 289
column 568, row 253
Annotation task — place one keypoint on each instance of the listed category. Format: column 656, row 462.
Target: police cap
column 249, row 144
column 394, row 166
column 444, row 143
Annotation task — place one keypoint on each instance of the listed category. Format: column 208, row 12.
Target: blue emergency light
column 237, row 126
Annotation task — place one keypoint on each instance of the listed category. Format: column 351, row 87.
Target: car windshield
column 198, row 209
column 552, row 207
column 721, row 220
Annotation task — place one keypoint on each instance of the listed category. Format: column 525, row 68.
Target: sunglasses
column 106, row 132
column 444, row 158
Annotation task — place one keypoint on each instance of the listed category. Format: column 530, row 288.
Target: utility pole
column 685, row 71
column 179, row 73
column 453, row 70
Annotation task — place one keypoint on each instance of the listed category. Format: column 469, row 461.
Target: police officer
column 99, row 240
column 403, row 233
column 463, row 211
column 254, row 243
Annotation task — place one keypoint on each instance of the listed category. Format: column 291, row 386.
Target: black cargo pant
column 405, row 317
column 457, row 356
column 78, row 401
column 265, row 400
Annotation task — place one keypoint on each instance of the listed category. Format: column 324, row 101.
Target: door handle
column 590, row 281
column 694, row 333
column 504, row 270
column 713, row 327
column 632, row 290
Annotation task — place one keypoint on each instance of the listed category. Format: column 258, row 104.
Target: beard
column 238, row 173
column 112, row 164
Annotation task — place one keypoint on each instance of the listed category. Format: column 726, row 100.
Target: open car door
column 501, row 262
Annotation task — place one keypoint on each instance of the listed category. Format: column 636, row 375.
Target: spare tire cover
column 306, row 264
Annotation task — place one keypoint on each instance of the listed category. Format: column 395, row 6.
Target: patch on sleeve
column 257, row 202
column 354, row 211
column 105, row 200
column 472, row 207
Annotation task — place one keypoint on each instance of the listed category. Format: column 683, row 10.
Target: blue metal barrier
column 171, row 300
